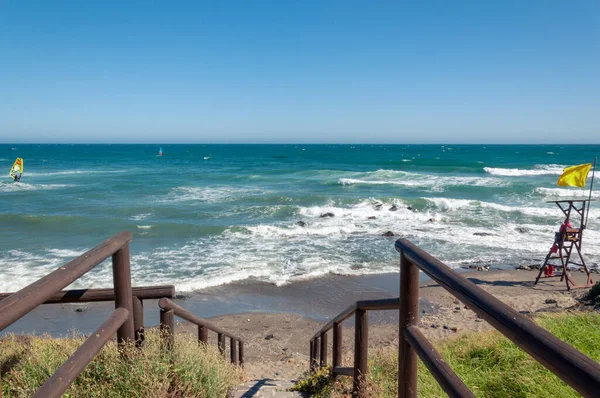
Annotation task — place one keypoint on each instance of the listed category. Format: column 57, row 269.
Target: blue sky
column 300, row 71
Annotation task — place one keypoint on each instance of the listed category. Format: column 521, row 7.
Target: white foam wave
column 552, row 169
column 566, row 192
column 72, row 172
column 63, row 253
column 139, row 217
column 144, row 226
column 434, row 183
column 350, row 242
column 209, row 194
column 23, row 186
column 449, row 204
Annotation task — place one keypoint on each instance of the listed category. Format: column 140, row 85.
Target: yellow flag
column 574, row 176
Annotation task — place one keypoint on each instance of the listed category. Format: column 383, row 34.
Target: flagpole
column 590, row 198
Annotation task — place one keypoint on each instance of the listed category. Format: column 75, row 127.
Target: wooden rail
column 572, row 366
column 576, row 369
column 97, row 295
column 56, row 385
column 318, row 343
column 18, row 304
column 167, row 322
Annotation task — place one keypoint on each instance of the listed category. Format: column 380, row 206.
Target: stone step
column 266, row 388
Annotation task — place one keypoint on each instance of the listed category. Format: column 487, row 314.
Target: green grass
column 489, row 364
column 26, row 362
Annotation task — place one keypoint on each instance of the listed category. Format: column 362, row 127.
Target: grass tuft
column 194, row 370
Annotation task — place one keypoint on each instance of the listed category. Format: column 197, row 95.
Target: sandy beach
column 285, row 355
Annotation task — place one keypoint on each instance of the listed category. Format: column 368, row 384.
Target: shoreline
column 318, row 299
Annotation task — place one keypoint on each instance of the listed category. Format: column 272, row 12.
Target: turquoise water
column 203, row 215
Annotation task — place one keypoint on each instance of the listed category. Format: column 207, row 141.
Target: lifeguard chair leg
column 543, row 267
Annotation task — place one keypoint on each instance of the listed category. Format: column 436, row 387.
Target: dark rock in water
column 356, row 267
column 372, row 218
column 301, row 223
column 522, row 230
column 525, row 267
column 327, row 215
column 81, row 309
column 409, row 208
column 378, row 206
column 482, row 234
column 431, row 220
column 388, row 233
column 269, row 337
column 480, row 267
column 393, row 208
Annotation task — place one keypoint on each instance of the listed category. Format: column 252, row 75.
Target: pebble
column 269, row 337
column 81, row 309
column 550, row 301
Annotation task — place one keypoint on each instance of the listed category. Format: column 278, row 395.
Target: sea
column 207, row 215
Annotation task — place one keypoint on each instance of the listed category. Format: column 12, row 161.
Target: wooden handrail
column 20, row 303
column 60, row 381
column 439, row 369
column 167, row 323
column 98, row 295
column 181, row 312
column 367, row 305
column 576, row 369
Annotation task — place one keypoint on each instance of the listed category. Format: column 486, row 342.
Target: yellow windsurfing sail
column 575, row 176
column 17, row 169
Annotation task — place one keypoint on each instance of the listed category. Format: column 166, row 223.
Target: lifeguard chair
column 567, row 239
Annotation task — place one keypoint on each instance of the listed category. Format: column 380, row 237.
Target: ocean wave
column 210, row 194
column 144, row 226
column 349, row 243
column 140, row 217
column 566, row 192
column 23, row 186
column 435, row 183
column 551, row 169
column 449, row 204
column 73, row 172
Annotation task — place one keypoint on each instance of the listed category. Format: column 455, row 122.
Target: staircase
column 266, row 388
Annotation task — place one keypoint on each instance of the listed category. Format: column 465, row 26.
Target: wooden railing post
column 202, row 334
column 123, row 294
column 361, row 346
column 337, row 344
column 233, row 351
column 241, row 354
column 221, row 343
column 167, row 327
column 138, row 321
column 409, row 316
column 311, row 359
column 323, row 355
column 314, row 363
